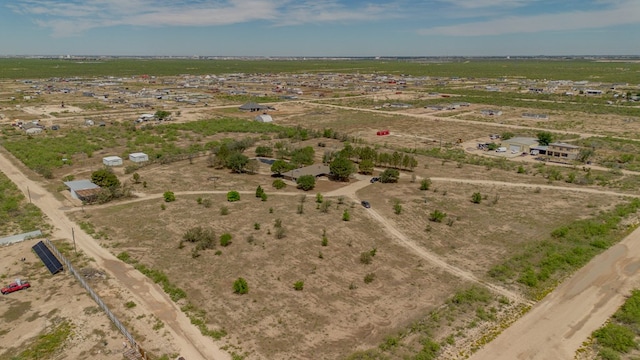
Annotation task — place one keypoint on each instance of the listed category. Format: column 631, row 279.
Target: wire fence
column 97, row 299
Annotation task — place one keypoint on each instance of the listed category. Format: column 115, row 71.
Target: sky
column 319, row 27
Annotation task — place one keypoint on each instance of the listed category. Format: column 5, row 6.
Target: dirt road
column 556, row 327
column 191, row 344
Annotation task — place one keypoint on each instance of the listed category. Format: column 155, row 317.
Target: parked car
column 15, row 286
column 365, row 204
column 374, row 179
column 55, row 127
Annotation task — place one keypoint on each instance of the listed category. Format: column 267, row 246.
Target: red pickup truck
column 15, row 286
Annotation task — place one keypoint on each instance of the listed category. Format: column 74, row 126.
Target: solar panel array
column 50, row 261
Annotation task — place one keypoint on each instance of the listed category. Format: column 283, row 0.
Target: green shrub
column 233, row 196
column 616, row 337
column 240, row 286
column 298, row 285
column 130, row 304
column 366, row 257
column 425, row 184
column 345, row 215
column 476, row 198
column 169, row 196
column 279, row 184
column 225, row 239
column 437, row 216
column 306, row 182
column 369, row 278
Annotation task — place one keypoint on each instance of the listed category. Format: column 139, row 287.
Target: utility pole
column 73, row 235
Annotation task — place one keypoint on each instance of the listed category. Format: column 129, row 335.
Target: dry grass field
column 394, row 299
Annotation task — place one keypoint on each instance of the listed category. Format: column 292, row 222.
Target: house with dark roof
column 252, row 106
column 315, row 170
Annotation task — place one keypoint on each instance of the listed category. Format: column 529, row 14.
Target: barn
column 138, row 157
column 112, row 161
column 265, row 118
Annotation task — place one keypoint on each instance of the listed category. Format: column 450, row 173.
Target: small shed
column 83, row 190
column 112, row 161
column 138, row 157
column 265, row 118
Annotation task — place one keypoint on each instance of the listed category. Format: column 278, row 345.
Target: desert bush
column 345, row 215
column 425, row 184
column 169, row 196
column 279, row 184
column 476, row 198
column 319, row 198
column 369, row 278
column 366, row 257
column 225, row 239
column 437, row 216
column 207, row 203
column 240, row 286
column 298, row 285
column 224, row 210
column 397, row 207
column 233, row 196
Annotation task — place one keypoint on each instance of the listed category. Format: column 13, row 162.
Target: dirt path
column 190, row 343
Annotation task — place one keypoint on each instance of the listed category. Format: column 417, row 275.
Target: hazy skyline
column 320, row 28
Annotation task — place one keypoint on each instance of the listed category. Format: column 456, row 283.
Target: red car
column 18, row 285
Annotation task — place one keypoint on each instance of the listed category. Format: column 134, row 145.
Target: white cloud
column 71, row 17
column 624, row 12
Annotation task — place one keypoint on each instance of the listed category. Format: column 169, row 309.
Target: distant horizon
column 302, row 57
column 311, row 28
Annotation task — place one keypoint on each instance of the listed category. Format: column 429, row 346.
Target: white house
column 265, row 118
column 112, row 161
column 138, row 157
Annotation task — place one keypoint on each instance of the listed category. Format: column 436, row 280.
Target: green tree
column 259, row 191
column 303, row 156
column 280, row 166
column 341, row 168
column 169, row 196
column 506, row 135
column 366, row 167
column 545, row 138
column 105, row 178
column 389, row 176
column 237, row 162
column 306, row 182
column 476, row 198
column 136, row 178
column 584, row 154
column 240, row 286
column 162, row 114
column 264, row 151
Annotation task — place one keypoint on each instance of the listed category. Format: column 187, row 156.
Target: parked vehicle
column 374, row 179
column 501, row 149
column 365, row 204
column 15, row 286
